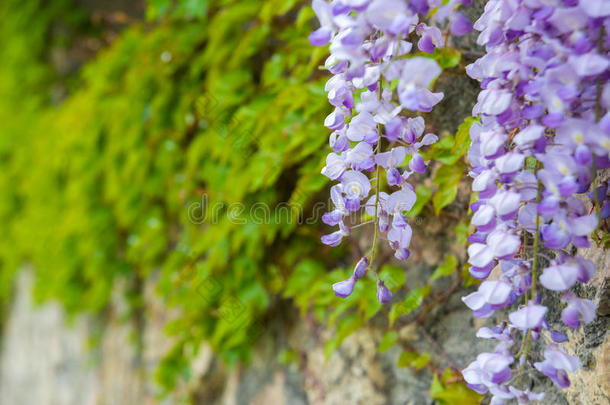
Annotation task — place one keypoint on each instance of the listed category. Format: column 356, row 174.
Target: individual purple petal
column 394, row 177
column 569, row 19
column 332, row 218
column 495, row 292
column 483, row 215
column 360, row 268
column 577, row 307
column 528, row 317
column 503, row 244
column 527, row 217
column 417, row 164
column 527, row 136
column 383, row 14
column 361, row 125
column 394, row 128
column 510, row 162
column 583, row 155
column 460, row 25
column 391, row 158
column 597, row 8
column 399, row 221
column 569, row 316
column 335, row 120
column 487, row 333
column 425, row 44
column 555, row 237
column 320, row 37
column 492, row 102
column 558, row 337
column 359, row 154
column 384, row 295
column 414, row 128
column 335, row 166
column 341, row 144
column 549, row 205
column 586, row 269
column 420, row 72
column 560, row 360
column 559, row 277
column 481, row 273
column 402, row 254
column 428, row 139
column 352, row 204
column 589, row 64
column 559, row 377
column 400, row 201
column 355, row 184
column 584, row 225
column 400, row 236
column 332, row 239
column 344, row 288
column 480, row 255
column 506, row 202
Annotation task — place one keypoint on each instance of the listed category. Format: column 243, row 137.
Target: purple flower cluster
column 369, row 49
column 543, row 135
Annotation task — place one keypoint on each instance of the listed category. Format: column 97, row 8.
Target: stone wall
column 48, row 359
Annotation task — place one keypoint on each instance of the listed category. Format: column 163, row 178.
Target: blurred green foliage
column 112, row 183
column 135, row 174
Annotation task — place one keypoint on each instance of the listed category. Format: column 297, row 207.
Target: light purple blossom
column 544, row 121
column 384, row 295
column 343, row 289
column 528, row 317
column 369, row 43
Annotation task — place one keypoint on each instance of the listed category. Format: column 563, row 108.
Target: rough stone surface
column 45, row 360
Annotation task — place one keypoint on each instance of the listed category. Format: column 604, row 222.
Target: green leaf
column 413, row 359
column 393, row 276
column 462, row 136
column 453, row 394
column 389, row 339
column 413, row 300
column 447, row 179
column 446, row 268
column 424, row 194
column 447, row 57
column 406, row 358
column 461, row 231
column 443, row 151
column 421, row 361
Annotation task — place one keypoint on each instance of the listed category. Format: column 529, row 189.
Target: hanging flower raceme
column 375, row 128
column 543, row 135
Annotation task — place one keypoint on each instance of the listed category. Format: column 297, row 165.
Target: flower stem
column 598, row 96
column 536, row 240
column 377, row 175
column 526, row 344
